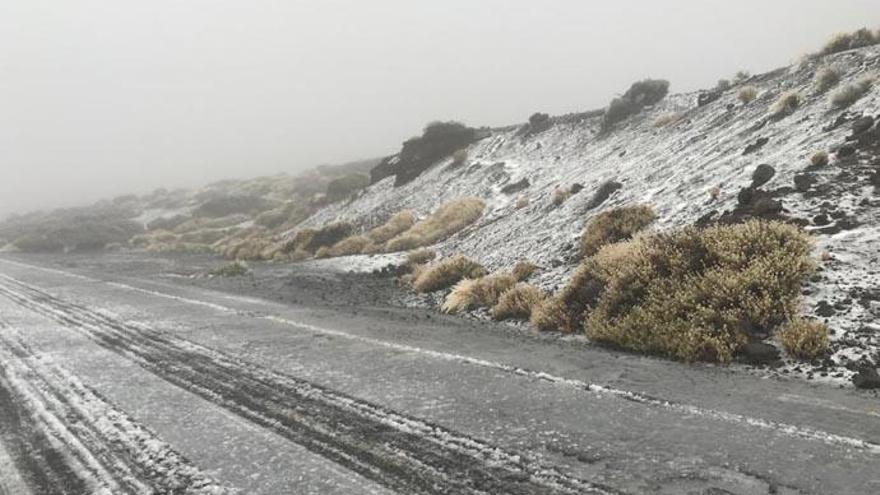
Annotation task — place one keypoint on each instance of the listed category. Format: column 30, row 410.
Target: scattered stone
column 706, row 97
column 846, row 150
column 756, row 145
column 758, row 353
column 824, row 309
column 603, row 193
column 862, row 124
column 803, row 182
column 821, row 219
column 866, row 378
column 762, row 175
column 576, row 188
column 516, row 186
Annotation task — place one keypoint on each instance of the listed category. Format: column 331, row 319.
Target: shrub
column 234, row 269
column 851, row 93
column 328, row 235
column 804, row 339
column 615, row 225
column 225, row 205
column 438, row 140
column 446, row 273
column 38, row 244
column 523, row 270
column 668, row 119
column 448, row 219
column 560, row 195
column 638, row 96
column 548, row 315
column 723, row 85
column 420, row 257
column 517, row 303
column 459, row 157
column 826, row 78
column 351, row 245
column 849, row 41
column 397, row 224
column 741, row 76
column 478, row 292
column 747, row 94
column 819, row 159
column 787, row 103
column 521, row 202
column 699, row 294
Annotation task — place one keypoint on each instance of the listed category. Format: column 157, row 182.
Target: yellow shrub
column 518, row 302
column 851, row 93
column 521, row 202
column 615, row 225
column 395, row 226
column 694, row 294
column 819, row 159
column 420, row 257
column 483, row 291
column 826, row 78
column 548, row 315
column 446, row 273
column 787, row 103
column 560, row 195
column 355, row 244
column 523, row 270
column 448, row 219
column 804, row 339
column 747, row 94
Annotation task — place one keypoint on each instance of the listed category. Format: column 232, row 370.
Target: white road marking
column 600, row 390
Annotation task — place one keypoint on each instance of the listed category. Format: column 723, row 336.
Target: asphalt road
column 115, row 378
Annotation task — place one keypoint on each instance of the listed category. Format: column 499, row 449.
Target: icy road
column 115, row 380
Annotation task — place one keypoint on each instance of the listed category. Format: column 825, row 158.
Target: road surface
column 123, row 381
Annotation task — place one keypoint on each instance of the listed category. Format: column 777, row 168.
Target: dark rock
column 576, row 188
column 764, row 207
column 760, row 142
column 762, row 175
column 745, row 196
column 706, row 97
column 874, row 178
column 603, row 193
column 758, row 353
column 862, row 124
column 516, row 186
column 803, row 182
column 821, row 219
column 824, row 309
column 866, row 378
column 845, row 151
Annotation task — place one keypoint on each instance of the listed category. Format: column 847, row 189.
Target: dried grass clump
column 448, row 219
column 446, row 273
column 697, row 294
column 747, row 94
column 826, row 78
column 560, row 195
column 396, row 225
column 479, row 292
column 355, row 244
column 234, row 269
column 523, row 270
column 548, row 315
column 852, row 93
column 615, row 225
column 518, row 302
column 420, row 257
column 521, row 202
column 667, row 119
column 805, row 339
column 787, row 103
column 849, row 41
column 819, row 159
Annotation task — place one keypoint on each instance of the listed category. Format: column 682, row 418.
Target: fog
column 104, row 97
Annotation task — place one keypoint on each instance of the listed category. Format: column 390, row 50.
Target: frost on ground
column 360, row 263
column 690, row 170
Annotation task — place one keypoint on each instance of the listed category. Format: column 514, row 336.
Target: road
column 119, row 381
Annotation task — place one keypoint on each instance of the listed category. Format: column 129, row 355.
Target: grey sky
column 103, row 97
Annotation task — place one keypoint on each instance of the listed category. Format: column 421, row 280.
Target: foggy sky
column 104, row 97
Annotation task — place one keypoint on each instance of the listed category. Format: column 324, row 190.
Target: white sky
column 104, row 97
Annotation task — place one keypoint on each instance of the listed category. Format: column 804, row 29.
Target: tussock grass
column 615, row 225
column 483, row 291
column 548, row 315
column 560, row 195
column 697, row 294
column 787, row 103
column 667, row 119
column 523, row 270
column 819, row 159
column 826, row 78
column 517, row 303
column 448, row 219
column 234, row 269
column 351, row 245
column 804, row 339
column 420, row 257
column 396, row 225
column 747, row 94
column 852, row 93
column 849, row 41
column 445, row 273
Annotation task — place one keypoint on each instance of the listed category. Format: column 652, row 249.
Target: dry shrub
column 420, row 257
column 517, row 303
column 615, row 225
column 848, row 41
column 311, row 240
column 668, row 119
column 523, row 270
column 459, row 157
column 851, row 93
column 747, row 94
column 448, row 219
column 826, row 78
column 715, row 193
column 548, row 315
column 521, row 202
column 446, row 273
column 787, row 103
column 234, row 269
column 819, row 159
column 395, row 225
column 560, row 195
column 299, row 255
column 479, row 292
column 699, row 294
column 804, row 339
column 351, row 245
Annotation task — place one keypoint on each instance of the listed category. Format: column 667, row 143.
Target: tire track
column 70, row 440
column 397, row 451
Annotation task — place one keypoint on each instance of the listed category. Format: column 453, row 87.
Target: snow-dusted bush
column 698, row 294
column 667, row 119
column 355, row 244
column 420, row 257
column 804, row 339
column 615, row 225
column 445, row 273
column 517, row 303
column 747, row 94
column 234, row 269
column 787, row 103
column 560, row 195
column 826, row 78
column 851, row 93
column 448, row 219
column 848, row 41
